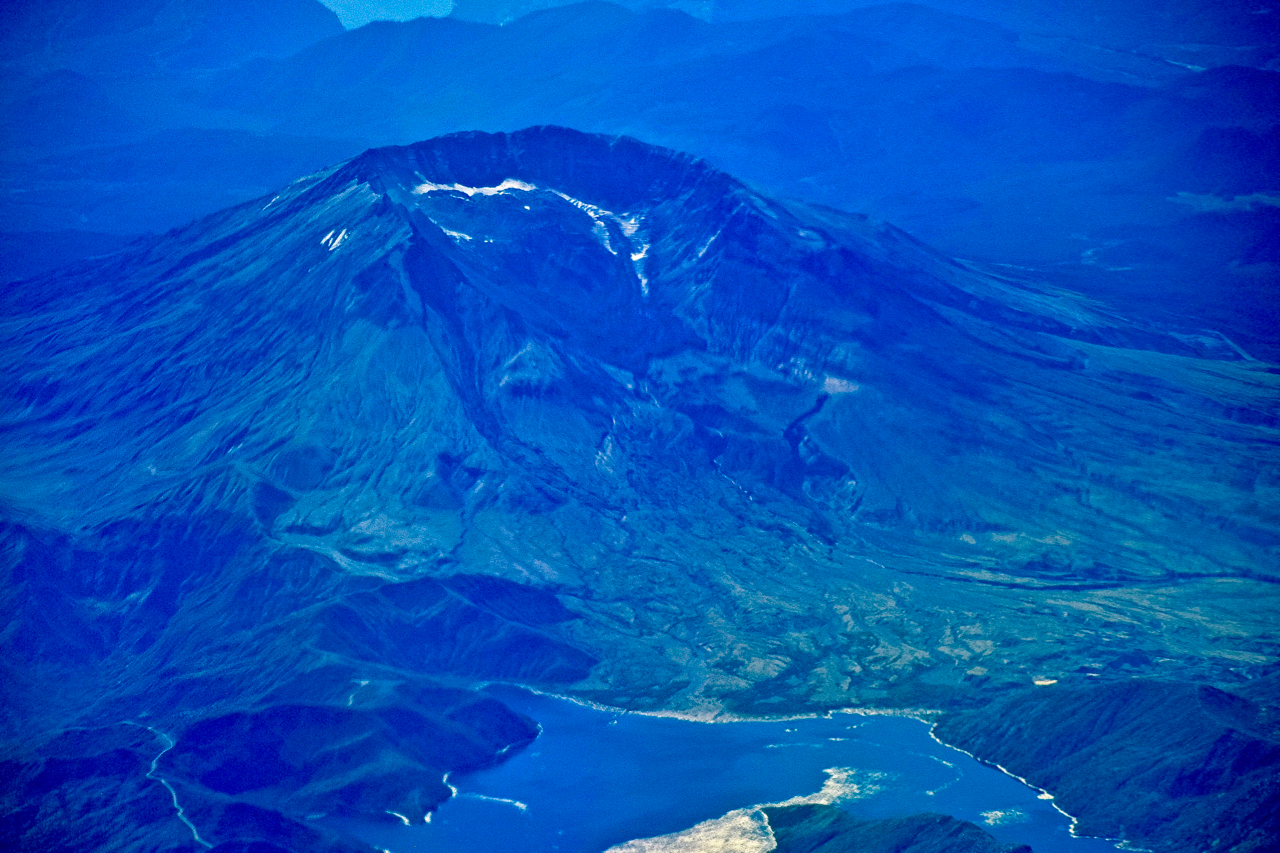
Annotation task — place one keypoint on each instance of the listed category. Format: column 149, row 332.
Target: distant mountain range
column 580, row 413
column 997, row 132
column 1204, row 32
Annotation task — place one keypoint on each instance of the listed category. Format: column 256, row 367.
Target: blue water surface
column 596, row 778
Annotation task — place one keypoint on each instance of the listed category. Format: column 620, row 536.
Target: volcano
column 583, row 414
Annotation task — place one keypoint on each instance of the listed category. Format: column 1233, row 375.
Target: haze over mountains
column 1212, row 32
column 285, row 486
column 1109, row 166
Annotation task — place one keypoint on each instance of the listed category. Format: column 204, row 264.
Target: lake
column 596, row 779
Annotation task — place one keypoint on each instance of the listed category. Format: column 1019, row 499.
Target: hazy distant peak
column 357, row 13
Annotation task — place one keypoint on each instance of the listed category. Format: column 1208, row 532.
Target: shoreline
column 924, row 715
column 929, row 717
column 1045, row 794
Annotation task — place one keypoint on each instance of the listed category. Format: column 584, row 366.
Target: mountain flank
column 580, row 413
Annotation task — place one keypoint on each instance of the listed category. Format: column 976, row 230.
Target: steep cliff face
column 578, row 412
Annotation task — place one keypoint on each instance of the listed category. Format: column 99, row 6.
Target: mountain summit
column 587, row 316
column 575, row 411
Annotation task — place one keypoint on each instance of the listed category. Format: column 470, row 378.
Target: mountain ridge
column 1116, row 138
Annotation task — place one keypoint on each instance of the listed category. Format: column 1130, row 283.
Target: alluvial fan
column 581, row 413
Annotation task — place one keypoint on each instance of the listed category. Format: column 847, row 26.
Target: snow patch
column 604, row 456
column 333, row 242
column 836, row 385
column 506, row 186
column 637, row 262
column 591, row 210
column 702, row 250
column 601, row 231
column 360, row 684
column 629, row 224
column 599, row 216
